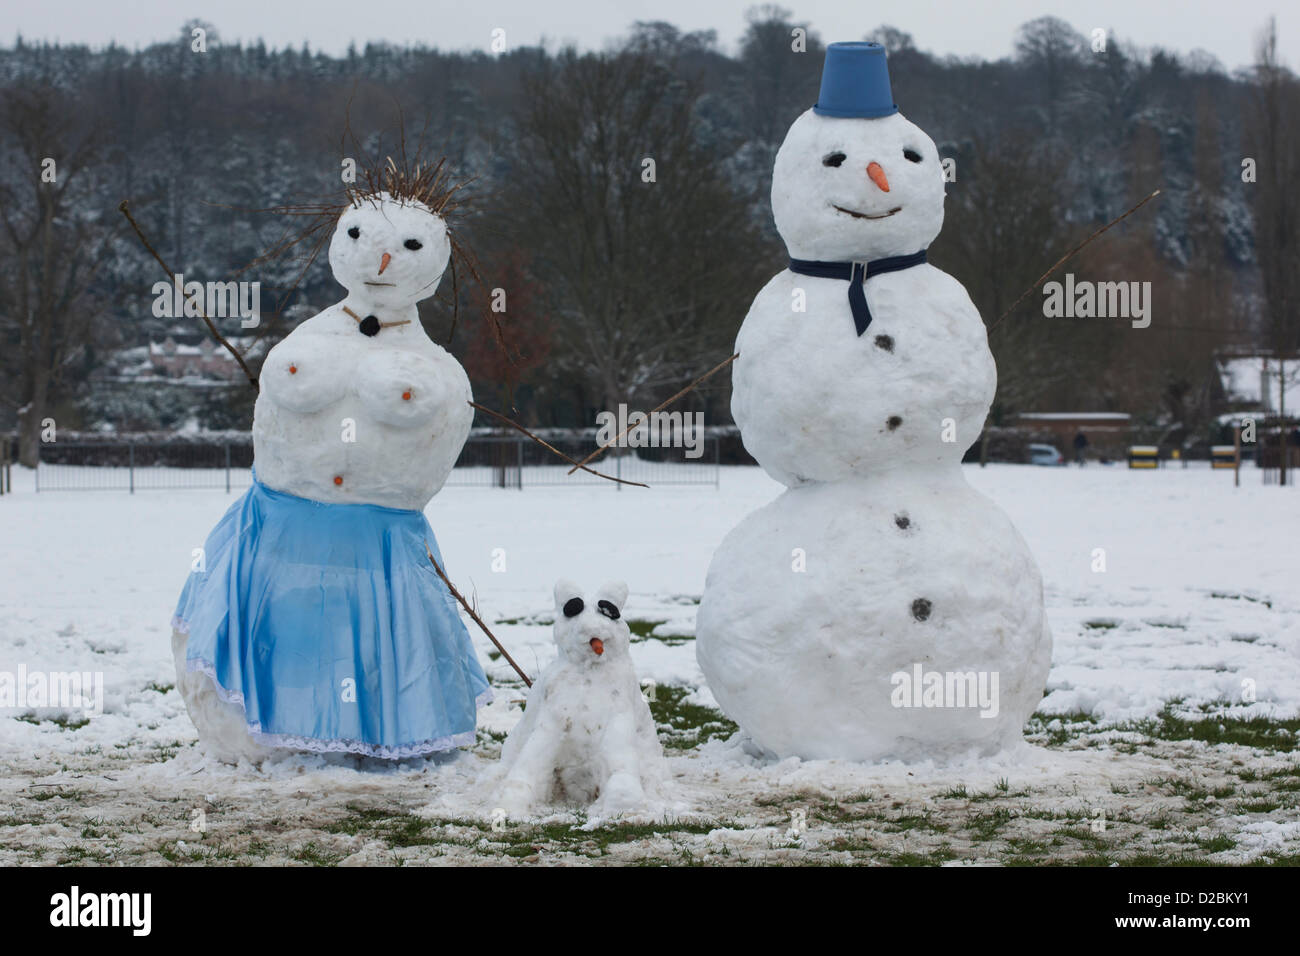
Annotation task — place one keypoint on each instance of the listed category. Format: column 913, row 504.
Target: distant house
column 1252, row 382
column 204, row 360
column 1107, row 432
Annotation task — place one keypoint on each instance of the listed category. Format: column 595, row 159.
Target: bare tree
column 650, row 256
column 50, row 244
column 1274, row 145
column 1051, row 49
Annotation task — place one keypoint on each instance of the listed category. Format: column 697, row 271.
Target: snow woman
column 318, row 622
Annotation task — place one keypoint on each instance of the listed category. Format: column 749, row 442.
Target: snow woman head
column 389, row 252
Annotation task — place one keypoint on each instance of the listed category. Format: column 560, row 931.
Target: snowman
column 587, row 735
column 879, row 608
column 314, row 620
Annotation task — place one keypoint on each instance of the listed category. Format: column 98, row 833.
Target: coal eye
column 911, row 155
column 573, row 607
column 354, row 232
column 608, row 609
column 413, row 244
column 834, row 159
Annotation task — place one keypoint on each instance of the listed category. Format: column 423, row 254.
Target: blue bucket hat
column 855, row 82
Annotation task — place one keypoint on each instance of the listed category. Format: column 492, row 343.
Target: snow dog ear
column 613, row 593
column 568, row 595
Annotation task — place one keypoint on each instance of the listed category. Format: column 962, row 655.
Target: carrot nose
column 383, row 263
column 597, row 645
column 877, row 175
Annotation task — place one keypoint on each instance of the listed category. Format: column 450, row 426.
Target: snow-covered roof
column 1244, row 380
column 1076, row 416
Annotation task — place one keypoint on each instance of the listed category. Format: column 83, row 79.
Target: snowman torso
column 913, row 389
column 349, row 418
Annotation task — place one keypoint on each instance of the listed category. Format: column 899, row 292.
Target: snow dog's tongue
column 598, row 645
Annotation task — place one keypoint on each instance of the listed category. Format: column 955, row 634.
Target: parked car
column 1045, row 455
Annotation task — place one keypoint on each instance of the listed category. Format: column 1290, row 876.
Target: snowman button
column 338, row 479
column 369, row 325
column 293, row 370
column 406, row 395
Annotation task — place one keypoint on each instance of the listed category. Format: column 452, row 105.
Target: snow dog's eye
column 354, row 232
column 834, row 159
column 608, row 609
column 413, row 244
column 573, row 607
column 911, row 155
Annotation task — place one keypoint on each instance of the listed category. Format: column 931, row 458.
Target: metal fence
column 487, row 461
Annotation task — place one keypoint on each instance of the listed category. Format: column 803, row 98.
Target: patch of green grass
column 1217, row 844
column 1283, row 773
column 316, row 855
column 1259, row 806
column 936, row 857
column 159, row 688
column 60, row 793
column 985, row 825
column 1071, row 726
column 955, row 793
column 644, row 631
column 76, row 853
column 173, row 854
column 1101, row 624
column 1084, row 835
column 682, row 725
column 397, row 828
column 1259, row 732
column 1224, row 596
column 59, row 720
column 1025, row 847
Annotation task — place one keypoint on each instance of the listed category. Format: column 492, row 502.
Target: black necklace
column 370, row 325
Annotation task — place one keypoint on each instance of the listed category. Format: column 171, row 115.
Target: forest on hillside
column 622, row 290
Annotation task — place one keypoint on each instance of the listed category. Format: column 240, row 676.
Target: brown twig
column 551, row 448
column 252, row 379
column 474, row 614
column 1067, row 257
column 601, row 450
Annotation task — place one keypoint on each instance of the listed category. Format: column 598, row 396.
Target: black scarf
column 856, row 274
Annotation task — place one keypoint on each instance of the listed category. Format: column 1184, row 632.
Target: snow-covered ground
column 1196, row 615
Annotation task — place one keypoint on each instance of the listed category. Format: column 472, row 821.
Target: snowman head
column 854, row 180
column 853, row 190
column 389, row 252
column 592, row 631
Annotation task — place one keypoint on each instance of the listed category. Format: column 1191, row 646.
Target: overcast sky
column 982, row 28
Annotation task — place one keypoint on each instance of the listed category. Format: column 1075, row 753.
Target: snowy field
column 1168, row 733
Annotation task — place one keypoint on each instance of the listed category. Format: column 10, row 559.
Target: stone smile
column 863, row 215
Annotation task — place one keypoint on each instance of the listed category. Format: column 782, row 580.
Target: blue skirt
column 329, row 626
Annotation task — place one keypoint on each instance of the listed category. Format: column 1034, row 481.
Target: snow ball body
column 814, row 400
column 899, row 572
column 344, row 417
